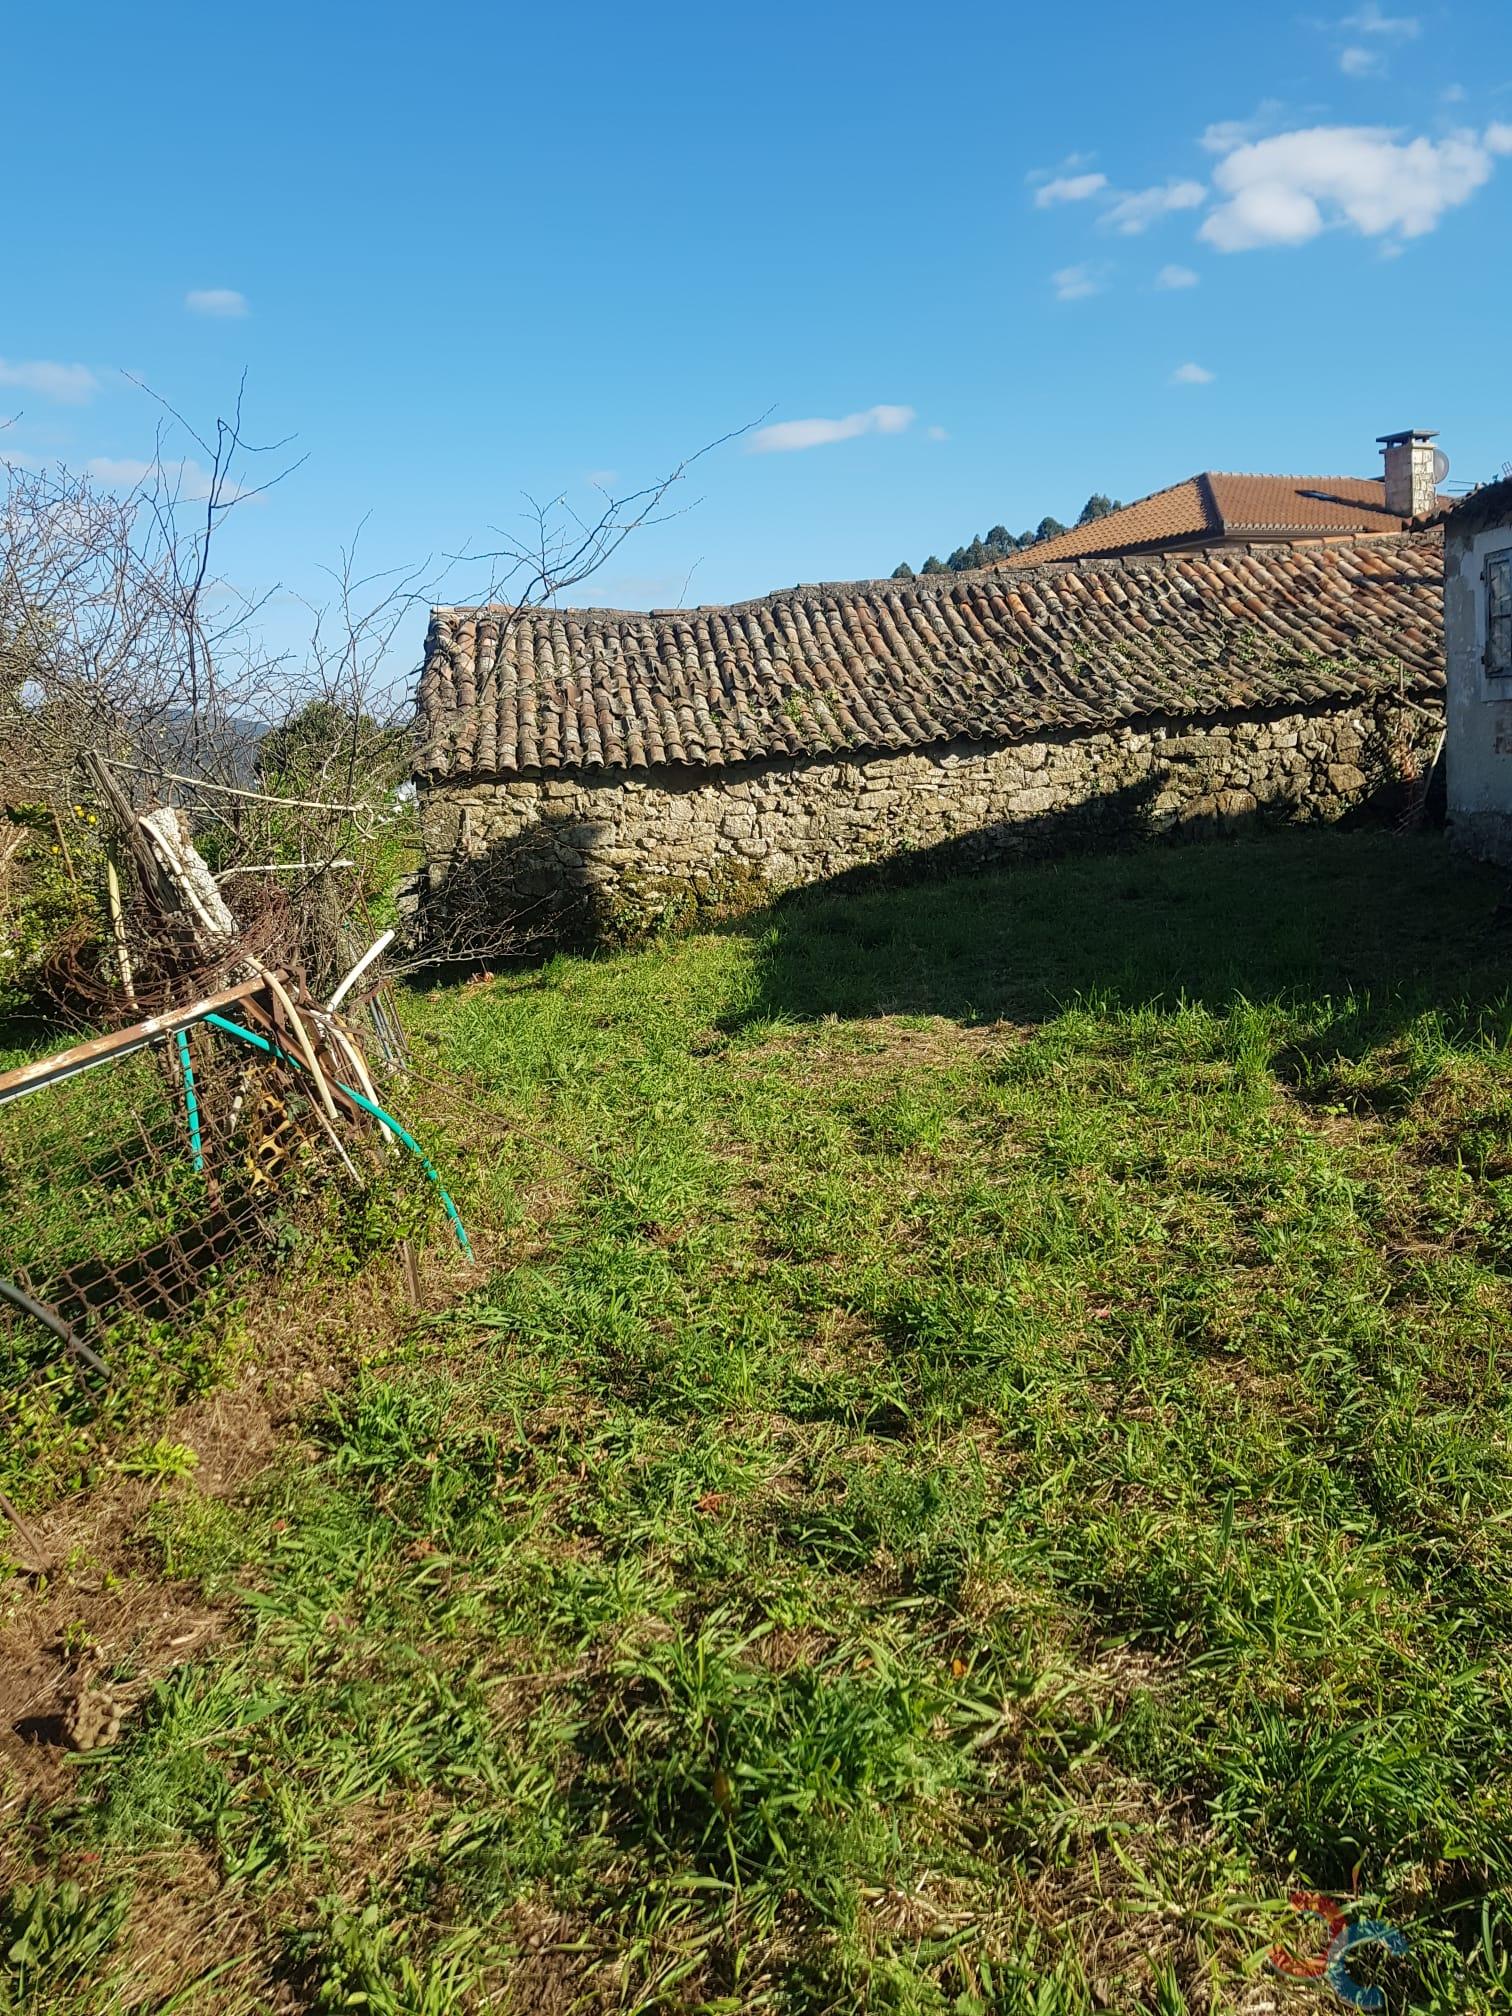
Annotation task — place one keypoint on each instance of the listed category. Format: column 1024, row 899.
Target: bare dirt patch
column 881, row 1043
column 94, row 1626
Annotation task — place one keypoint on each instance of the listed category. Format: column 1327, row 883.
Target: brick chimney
column 1410, row 488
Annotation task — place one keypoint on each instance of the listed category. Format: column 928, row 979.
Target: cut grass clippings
column 982, row 1462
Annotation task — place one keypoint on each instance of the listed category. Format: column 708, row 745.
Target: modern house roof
column 872, row 666
column 1216, row 507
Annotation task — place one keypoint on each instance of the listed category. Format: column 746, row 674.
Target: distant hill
column 1000, row 542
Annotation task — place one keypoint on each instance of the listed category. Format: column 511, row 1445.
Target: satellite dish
column 1440, row 468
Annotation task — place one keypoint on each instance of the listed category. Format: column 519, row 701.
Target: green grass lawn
column 981, row 1460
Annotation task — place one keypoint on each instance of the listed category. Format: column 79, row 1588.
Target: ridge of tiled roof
column 1225, row 504
column 838, row 668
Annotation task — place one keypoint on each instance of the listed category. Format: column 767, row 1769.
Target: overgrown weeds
column 983, row 1463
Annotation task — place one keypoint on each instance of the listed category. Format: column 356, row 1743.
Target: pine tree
column 1000, row 542
column 1097, row 506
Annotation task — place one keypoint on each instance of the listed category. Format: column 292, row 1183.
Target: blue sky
column 1007, row 256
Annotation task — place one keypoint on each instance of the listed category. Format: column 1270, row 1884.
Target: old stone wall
column 623, row 852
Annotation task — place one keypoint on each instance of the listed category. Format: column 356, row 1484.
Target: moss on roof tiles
column 904, row 665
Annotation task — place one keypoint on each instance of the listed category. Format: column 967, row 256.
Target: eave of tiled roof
column 1489, row 501
column 888, row 665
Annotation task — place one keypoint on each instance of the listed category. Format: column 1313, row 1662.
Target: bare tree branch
column 121, row 638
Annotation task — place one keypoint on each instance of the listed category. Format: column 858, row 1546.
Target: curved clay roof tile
column 1000, row 655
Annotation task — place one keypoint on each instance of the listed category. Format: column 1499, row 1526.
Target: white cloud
column 120, row 471
column 1075, row 283
column 601, row 479
column 1137, row 211
column 1369, row 20
column 224, row 302
column 1356, row 59
column 1224, row 135
column 186, row 479
column 1191, row 374
column 938, row 433
column 66, row 384
column 1073, row 164
column 1170, row 278
column 1289, row 188
column 784, row 436
column 1068, row 189
column 1454, row 94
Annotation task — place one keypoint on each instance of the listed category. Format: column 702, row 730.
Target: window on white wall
column 1499, row 614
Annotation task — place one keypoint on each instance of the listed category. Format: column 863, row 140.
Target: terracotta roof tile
column 1217, row 505
column 1184, row 511
column 1301, row 504
column 876, row 665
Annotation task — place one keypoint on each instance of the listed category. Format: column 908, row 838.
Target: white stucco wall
column 1478, row 726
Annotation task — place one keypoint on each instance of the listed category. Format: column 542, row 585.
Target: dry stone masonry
column 611, row 772
column 624, row 853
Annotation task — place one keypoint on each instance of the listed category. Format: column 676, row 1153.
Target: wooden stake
column 411, row 1271
column 40, row 1562
column 301, row 1036
column 118, row 928
column 63, row 850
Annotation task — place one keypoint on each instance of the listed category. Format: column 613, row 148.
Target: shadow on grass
column 1394, row 926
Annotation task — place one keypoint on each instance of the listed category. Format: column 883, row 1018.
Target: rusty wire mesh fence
column 142, row 1188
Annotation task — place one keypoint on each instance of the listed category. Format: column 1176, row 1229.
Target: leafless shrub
column 558, row 547
column 121, row 635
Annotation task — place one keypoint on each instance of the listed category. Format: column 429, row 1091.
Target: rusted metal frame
column 329, row 1128
column 346, row 1045
column 76, row 1283
column 297, row 1040
column 385, row 1025
column 270, row 1021
column 158, row 1268
column 285, row 1001
column 376, row 1113
column 119, row 1043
